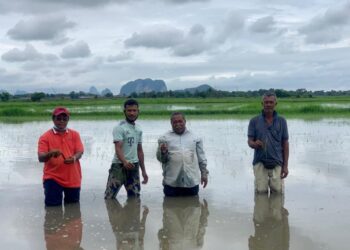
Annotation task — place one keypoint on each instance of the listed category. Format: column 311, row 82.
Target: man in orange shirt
column 60, row 149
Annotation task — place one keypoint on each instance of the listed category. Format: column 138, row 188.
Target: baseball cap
column 60, row 110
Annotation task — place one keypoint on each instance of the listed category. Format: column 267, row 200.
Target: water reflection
column 184, row 223
column 270, row 223
column 127, row 227
column 63, row 228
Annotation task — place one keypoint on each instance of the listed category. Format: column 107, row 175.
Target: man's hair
column 130, row 102
column 177, row 113
column 269, row 94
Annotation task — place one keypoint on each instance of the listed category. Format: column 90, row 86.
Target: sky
column 60, row 46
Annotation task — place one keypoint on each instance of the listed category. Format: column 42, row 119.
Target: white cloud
column 41, row 28
column 123, row 56
column 171, row 38
column 328, row 27
column 78, row 50
column 156, row 37
column 29, row 53
column 193, row 44
column 263, row 25
column 185, row 1
column 230, row 27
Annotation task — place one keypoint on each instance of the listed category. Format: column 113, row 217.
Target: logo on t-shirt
column 131, row 141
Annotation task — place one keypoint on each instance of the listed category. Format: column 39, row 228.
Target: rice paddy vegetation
column 152, row 108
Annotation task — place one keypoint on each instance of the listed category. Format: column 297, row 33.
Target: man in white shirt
column 183, row 159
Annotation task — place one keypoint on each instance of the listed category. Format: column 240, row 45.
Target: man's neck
column 130, row 122
column 268, row 117
column 59, row 130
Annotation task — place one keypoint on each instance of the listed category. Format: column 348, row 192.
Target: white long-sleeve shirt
column 185, row 161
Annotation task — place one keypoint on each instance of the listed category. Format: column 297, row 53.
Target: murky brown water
column 314, row 214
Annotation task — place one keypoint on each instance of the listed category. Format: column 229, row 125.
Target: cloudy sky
column 65, row 45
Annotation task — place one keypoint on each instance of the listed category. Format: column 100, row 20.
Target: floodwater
column 313, row 214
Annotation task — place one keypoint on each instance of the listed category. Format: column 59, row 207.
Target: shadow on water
column 184, row 223
column 63, row 227
column 127, row 226
column 270, row 223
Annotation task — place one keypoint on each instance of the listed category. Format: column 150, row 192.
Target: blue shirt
column 273, row 136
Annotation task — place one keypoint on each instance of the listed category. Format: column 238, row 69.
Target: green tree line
column 213, row 93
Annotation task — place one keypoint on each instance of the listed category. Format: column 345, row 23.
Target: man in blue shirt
column 268, row 136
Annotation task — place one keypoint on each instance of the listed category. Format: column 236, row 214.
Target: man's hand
column 128, row 165
column 284, row 172
column 145, row 210
column 258, row 144
column 70, row 160
column 145, row 177
column 204, row 181
column 54, row 153
column 164, row 148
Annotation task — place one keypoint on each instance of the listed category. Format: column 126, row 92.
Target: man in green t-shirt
column 129, row 157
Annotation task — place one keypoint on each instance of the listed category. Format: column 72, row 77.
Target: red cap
column 60, row 110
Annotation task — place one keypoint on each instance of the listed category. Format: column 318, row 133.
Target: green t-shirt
column 131, row 136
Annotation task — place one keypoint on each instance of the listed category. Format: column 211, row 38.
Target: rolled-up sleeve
column 202, row 160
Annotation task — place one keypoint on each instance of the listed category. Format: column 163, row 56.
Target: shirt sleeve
column 117, row 134
column 43, row 144
column 285, row 135
column 140, row 137
column 78, row 143
column 202, row 160
column 251, row 129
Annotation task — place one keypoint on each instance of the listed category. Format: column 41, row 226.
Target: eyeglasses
column 61, row 118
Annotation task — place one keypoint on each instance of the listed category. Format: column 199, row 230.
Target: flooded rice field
column 313, row 214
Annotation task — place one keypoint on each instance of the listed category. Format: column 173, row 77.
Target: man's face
column 178, row 124
column 61, row 121
column 131, row 113
column 269, row 103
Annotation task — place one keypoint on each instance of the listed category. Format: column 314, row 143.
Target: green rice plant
column 15, row 112
column 103, row 108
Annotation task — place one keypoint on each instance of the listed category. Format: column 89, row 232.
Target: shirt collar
column 56, row 132
column 274, row 114
column 185, row 132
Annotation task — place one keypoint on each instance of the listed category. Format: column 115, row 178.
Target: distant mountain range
column 148, row 85
column 143, row 86
column 138, row 86
column 93, row 91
